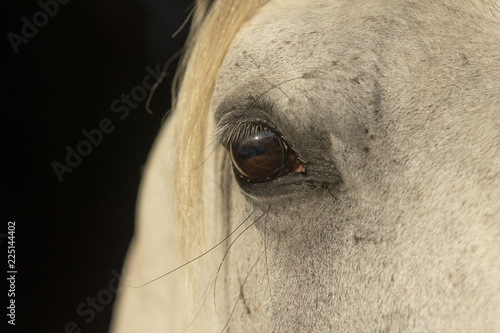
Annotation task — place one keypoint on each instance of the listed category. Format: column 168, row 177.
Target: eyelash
column 234, row 128
column 230, row 134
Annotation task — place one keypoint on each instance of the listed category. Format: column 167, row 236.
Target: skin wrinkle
column 393, row 105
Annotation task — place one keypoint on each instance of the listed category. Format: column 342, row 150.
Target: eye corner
column 295, row 163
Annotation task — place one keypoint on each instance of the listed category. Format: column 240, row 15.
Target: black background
column 70, row 235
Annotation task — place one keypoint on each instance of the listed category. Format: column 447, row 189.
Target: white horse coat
column 388, row 219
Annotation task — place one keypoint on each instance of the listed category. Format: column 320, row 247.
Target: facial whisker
column 192, row 260
column 265, row 251
column 241, row 291
column 227, row 251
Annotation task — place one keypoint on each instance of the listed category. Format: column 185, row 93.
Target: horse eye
column 263, row 156
column 260, row 156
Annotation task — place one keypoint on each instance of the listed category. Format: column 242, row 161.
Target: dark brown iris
column 260, row 156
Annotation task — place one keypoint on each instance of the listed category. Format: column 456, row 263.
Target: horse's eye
column 258, row 157
column 263, row 156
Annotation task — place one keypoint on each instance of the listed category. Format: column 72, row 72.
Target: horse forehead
column 277, row 46
column 288, row 37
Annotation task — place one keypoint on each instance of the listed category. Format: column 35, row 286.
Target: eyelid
column 235, row 120
column 231, row 133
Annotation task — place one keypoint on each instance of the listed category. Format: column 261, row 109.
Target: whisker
column 227, row 251
column 215, row 274
column 278, row 86
column 331, row 194
column 192, row 260
column 265, row 251
column 227, row 134
column 241, row 292
column 201, row 307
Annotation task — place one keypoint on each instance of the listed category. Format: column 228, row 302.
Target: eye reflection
column 260, row 156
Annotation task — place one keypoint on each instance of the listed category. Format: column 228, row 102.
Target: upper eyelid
column 240, row 107
column 240, row 115
column 228, row 133
column 242, row 121
column 235, row 125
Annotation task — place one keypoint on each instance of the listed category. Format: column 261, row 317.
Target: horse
column 328, row 166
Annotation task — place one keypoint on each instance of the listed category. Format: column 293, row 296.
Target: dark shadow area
column 76, row 136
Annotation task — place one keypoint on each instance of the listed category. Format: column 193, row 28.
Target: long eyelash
column 229, row 134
